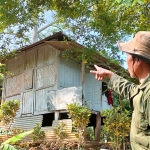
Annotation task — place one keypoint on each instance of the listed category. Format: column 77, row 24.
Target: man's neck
column 141, row 79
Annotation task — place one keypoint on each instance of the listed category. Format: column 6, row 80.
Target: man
column 138, row 61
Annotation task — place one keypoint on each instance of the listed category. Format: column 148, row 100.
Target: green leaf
column 17, row 137
column 7, row 147
column 118, row 1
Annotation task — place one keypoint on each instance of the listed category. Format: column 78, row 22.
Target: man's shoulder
column 146, row 92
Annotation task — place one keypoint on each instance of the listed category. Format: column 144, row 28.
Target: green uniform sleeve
column 147, row 111
column 122, row 86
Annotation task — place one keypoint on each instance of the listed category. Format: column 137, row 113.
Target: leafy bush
column 80, row 116
column 37, row 134
column 116, row 125
column 91, row 131
column 60, row 131
column 6, row 145
column 9, row 110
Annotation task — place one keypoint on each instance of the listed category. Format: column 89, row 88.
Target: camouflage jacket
column 139, row 96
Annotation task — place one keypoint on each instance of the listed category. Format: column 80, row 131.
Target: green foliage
column 14, row 131
column 37, row 134
column 119, row 101
column 2, row 70
column 91, row 131
column 6, row 146
column 11, row 13
column 116, row 125
column 60, row 131
column 98, row 24
column 9, row 110
column 2, row 73
column 79, row 54
column 80, row 116
column 18, row 137
column 128, row 3
column 61, row 134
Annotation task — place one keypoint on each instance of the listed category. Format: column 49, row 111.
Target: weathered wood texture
column 14, row 85
column 39, row 75
column 39, row 78
column 45, row 76
column 40, row 105
column 93, row 92
column 16, row 65
column 69, row 73
column 98, row 126
column 34, row 75
column 27, row 103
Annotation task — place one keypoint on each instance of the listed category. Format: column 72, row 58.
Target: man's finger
column 96, row 67
column 96, row 77
column 93, row 71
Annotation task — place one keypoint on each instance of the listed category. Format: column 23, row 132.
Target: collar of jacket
column 145, row 83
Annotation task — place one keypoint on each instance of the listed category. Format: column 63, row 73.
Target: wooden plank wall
column 69, row 73
column 34, row 79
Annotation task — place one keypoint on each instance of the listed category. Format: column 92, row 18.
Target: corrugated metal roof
column 63, row 45
column 25, row 123
column 59, row 36
column 62, row 42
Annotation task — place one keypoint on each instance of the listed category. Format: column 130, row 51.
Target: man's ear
column 139, row 61
column 133, row 58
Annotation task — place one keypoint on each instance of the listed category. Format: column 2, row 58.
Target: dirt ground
column 63, row 145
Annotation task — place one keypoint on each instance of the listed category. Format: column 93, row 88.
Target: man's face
column 131, row 65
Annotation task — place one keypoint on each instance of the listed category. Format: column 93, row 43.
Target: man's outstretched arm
column 116, row 83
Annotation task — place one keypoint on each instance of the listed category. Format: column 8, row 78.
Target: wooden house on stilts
column 44, row 82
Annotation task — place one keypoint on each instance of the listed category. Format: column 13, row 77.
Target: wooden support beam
column 56, row 115
column 98, row 126
column 83, row 80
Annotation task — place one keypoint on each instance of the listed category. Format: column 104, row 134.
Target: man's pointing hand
column 101, row 73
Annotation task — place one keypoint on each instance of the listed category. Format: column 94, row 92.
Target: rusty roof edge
column 72, row 43
column 49, row 39
column 43, row 41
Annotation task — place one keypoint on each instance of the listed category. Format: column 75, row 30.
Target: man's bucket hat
column 138, row 46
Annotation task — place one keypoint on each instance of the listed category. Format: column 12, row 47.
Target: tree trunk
column 35, row 34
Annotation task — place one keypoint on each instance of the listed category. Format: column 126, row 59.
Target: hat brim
column 146, row 59
column 125, row 46
column 129, row 48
